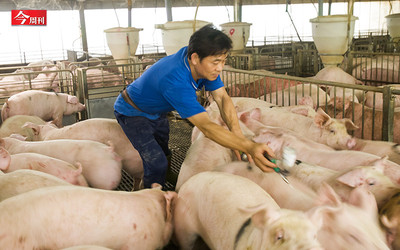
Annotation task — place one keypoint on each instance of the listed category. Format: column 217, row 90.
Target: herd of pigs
column 45, row 75
column 57, row 184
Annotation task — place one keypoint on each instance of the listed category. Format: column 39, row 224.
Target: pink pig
column 46, row 105
column 96, row 129
column 43, row 163
column 66, row 216
column 24, row 180
column 101, row 165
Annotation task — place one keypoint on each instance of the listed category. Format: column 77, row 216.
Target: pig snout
column 351, row 143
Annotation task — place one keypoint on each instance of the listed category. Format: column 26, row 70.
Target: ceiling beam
column 7, row 5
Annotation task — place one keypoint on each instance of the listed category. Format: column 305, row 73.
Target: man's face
column 210, row 67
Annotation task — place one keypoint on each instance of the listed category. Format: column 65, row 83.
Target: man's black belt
column 127, row 99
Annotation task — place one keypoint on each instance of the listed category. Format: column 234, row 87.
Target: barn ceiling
column 6, row 5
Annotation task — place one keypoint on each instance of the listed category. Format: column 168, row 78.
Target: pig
column 322, row 128
column 335, row 232
column 298, row 95
column 46, row 105
column 278, row 139
column 366, row 114
column 250, row 218
column 66, row 216
column 43, row 163
column 244, row 85
column 96, row 129
column 377, row 71
column 379, row 148
column 98, row 77
column 336, row 74
column 375, row 99
column 343, row 182
column 296, row 196
column 13, row 125
column 44, row 80
column 203, row 155
column 389, row 215
column 24, row 180
column 101, row 165
column 352, row 225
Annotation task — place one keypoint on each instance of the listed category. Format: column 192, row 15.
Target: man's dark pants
column 150, row 138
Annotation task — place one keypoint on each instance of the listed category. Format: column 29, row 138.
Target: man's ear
column 194, row 58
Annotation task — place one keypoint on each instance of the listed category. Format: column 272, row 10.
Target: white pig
column 298, row 95
column 343, row 182
column 232, row 212
column 335, row 233
column 353, row 225
column 46, row 105
column 336, row 74
column 96, row 129
column 43, row 163
column 203, row 155
column 322, row 128
column 66, row 216
column 24, row 180
column 379, row 148
column 101, row 165
column 13, row 125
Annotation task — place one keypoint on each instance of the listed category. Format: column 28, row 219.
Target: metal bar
column 168, row 8
column 83, row 25
column 388, row 114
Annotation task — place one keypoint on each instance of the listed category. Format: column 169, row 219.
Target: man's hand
column 256, row 155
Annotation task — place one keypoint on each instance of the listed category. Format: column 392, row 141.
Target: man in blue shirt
column 171, row 84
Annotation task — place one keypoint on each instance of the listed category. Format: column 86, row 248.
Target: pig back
column 24, row 180
column 114, row 219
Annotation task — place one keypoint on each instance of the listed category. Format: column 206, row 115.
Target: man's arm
column 227, row 110
column 233, row 140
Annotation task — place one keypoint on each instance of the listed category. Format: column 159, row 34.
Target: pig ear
column 328, row 196
column 5, row 159
column 244, row 116
column 321, row 119
column 260, row 214
column 256, row 114
column 316, row 215
column 304, row 111
column 35, row 128
column 349, row 124
column 72, row 99
column 381, row 163
column 391, row 228
column 391, row 224
column 353, row 178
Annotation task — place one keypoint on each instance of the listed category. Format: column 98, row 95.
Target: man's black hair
column 209, row 41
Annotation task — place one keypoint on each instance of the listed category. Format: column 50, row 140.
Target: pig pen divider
column 274, row 88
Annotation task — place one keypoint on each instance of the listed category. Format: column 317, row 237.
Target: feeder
column 393, row 26
column 239, row 32
column 331, row 37
column 176, row 34
column 122, row 42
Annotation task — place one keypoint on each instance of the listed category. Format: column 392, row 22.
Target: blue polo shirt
column 167, row 85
